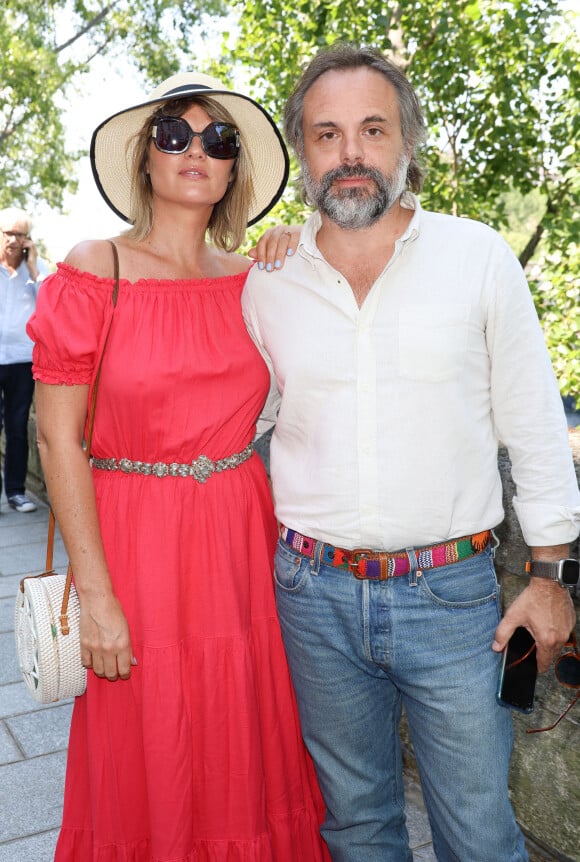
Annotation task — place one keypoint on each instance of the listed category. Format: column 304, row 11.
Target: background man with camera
column 21, row 272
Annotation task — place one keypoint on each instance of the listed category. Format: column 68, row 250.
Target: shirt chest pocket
column 432, row 341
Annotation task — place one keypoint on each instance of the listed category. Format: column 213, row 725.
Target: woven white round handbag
column 49, row 659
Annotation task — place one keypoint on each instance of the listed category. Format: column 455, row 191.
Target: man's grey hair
column 342, row 57
column 11, row 215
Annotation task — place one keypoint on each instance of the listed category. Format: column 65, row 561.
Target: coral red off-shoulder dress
column 198, row 757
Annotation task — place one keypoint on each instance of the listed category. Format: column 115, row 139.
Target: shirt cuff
column 544, row 524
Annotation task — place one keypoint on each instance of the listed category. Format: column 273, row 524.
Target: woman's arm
column 104, row 632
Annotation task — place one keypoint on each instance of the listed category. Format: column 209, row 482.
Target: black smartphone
column 517, row 679
column 24, row 254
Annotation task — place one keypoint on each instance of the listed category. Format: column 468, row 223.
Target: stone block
column 31, row 796
column 42, row 732
column 15, row 700
column 9, row 751
column 9, row 670
column 39, row 848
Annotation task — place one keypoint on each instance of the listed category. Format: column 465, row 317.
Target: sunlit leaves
column 45, row 48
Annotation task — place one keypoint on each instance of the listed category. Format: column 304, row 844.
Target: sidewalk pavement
column 33, row 738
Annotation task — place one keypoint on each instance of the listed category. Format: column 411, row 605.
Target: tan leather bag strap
column 91, row 421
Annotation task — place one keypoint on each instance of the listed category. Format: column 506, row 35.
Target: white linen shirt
column 18, row 292
column 390, row 415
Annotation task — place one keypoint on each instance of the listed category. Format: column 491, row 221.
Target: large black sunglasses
column 567, row 672
column 174, row 135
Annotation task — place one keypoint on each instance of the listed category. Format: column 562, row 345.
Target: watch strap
column 543, row 569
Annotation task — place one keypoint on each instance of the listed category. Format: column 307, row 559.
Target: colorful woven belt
column 380, row 565
column 200, row 469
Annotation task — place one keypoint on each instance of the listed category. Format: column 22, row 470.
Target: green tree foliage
column 499, row 81
column 44, row 49
column 500, row 85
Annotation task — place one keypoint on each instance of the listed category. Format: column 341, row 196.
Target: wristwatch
column 563, row 572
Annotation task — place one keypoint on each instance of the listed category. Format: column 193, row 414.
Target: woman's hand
column 275, row 245
column 104, row 632
column 105, row 638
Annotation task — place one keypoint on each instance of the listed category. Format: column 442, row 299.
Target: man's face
column 355, row 163
column 12, row 237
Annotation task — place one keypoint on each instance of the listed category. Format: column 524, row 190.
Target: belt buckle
column 355, row 559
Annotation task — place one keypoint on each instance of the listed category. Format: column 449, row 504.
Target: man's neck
column 10, row 263
column 361, row 255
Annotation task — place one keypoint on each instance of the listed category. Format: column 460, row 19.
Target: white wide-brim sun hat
column 112, row 147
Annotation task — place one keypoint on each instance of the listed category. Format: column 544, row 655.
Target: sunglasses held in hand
column 174, row 135
column 567, row 671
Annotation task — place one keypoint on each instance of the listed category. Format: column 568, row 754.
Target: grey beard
column 356, row 208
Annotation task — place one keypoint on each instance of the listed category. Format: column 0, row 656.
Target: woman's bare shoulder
column 233, row 263
column 94, row 256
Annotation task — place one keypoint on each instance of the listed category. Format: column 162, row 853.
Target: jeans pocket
column 466, row 584
column 291, row 569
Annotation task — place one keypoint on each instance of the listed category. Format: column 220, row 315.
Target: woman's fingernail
column 261, row 265
column 268, row 267
column 289, row 252
column 278, row 264
column 134, row 661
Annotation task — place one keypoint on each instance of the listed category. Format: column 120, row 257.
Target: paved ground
column 33, row 738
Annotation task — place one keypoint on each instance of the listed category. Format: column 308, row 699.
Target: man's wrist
column 550, row 553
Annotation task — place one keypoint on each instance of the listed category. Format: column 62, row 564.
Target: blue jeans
column 16, row 391
column 359, row 651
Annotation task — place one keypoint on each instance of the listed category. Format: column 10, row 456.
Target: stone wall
column 545, row 770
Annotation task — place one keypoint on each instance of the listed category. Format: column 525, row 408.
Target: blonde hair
column 229, row 219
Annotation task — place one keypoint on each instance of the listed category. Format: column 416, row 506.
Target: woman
column 186, row 745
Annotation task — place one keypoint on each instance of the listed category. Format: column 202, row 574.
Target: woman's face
column 191, row 178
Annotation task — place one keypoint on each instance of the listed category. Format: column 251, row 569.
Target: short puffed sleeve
column 71, row 312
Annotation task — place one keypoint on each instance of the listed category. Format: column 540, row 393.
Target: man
column 20, row 275
column 404, row 344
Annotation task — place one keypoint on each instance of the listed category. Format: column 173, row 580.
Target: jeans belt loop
column 415, row 573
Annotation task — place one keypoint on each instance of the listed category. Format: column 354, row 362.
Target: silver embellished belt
column 200, row 469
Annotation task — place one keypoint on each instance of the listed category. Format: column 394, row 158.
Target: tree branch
column 94, row 22
column 100, row 49
column 12, row 125
column 532, row 244
column 534, row 241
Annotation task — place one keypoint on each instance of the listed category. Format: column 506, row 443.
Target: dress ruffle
column 294, row 838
